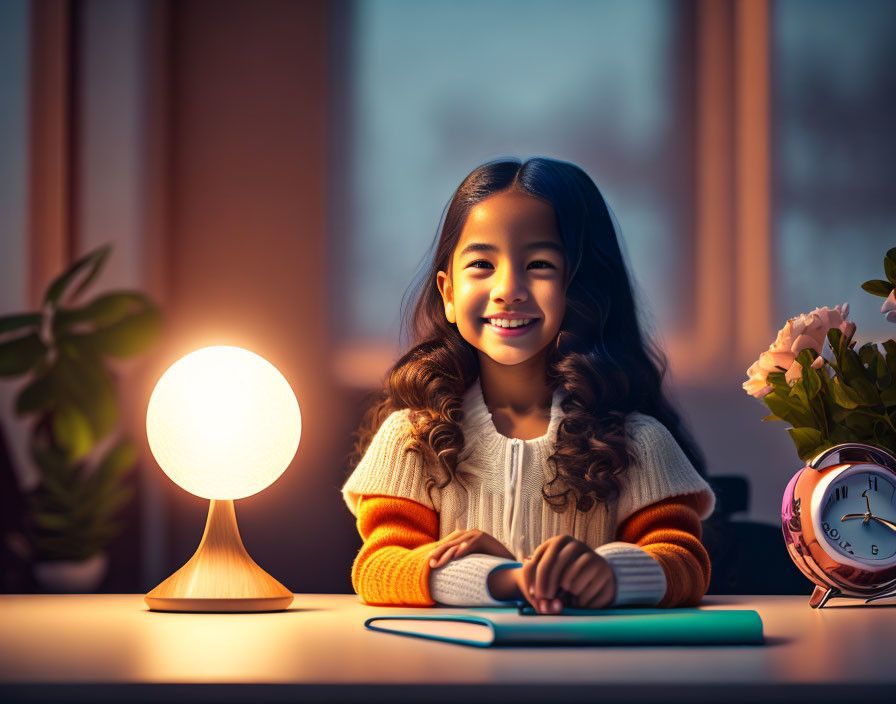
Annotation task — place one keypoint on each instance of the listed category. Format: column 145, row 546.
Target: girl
column 523, row 447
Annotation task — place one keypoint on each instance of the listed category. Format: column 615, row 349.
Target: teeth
column 504, row 323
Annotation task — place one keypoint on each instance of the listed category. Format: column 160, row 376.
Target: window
column 434, row 89
column 834, row 91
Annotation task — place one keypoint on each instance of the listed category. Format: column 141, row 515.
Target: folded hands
column 562, row 571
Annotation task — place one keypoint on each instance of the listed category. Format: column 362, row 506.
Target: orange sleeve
column 392, row 565
column 670, row 532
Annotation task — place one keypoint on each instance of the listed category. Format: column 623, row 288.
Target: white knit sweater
column 500, row 494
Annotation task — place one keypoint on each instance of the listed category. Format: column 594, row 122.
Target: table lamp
column 223, row 424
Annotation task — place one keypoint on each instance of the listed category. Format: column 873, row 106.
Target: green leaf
column 890, row 348
column 867, row 391
column 843, row 395
column 860, row 425
column 22, row 354
column 58, row 492
column 771, row 416
column 50, row 460
column 84, row 382
column 789, row 409
column 888, row 396
column 778, row 380
column 109, row 472
column 806, row 440
column 127, row 337
column 890, row 270
column 812, row 382
column 72, row 432
column 876, row 287
column 113, row 502
column 19, row 320
column 90, row 265
column 867, row 353
column 36, row 397
column 838, row 342
column 53, row 522
column 798, row 390
column 102, row 311
column 806, row 357
column 852, row 366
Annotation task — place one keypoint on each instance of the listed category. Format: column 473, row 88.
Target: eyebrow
column 482, row 247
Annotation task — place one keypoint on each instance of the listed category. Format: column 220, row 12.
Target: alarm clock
column 839, row 522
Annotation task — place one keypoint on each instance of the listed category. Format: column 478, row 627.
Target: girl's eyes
column 537, row 264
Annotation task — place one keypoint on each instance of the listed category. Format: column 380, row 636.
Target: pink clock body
column 838, row 516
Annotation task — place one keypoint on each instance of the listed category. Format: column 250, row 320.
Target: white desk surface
column 107, row 647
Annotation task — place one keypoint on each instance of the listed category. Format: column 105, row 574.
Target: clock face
column 858, row 514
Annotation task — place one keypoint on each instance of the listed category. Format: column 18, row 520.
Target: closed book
column 488, row 627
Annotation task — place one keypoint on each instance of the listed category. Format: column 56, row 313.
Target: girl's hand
column 507, row 584
column 564, row 563
column 466, row 542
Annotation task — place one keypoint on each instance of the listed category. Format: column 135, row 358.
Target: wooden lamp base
column 220, row 577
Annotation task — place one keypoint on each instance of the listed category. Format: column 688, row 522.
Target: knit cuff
column 464, row 582
column 639, row 578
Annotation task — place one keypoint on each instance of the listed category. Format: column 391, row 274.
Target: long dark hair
column 600, row 359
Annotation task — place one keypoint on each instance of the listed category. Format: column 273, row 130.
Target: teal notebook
column 488, row 627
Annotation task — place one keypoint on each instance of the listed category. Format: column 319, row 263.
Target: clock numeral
column 872, row 482
column 874, row 549
column 834, row 534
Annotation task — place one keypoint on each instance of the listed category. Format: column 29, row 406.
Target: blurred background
column 272, row 175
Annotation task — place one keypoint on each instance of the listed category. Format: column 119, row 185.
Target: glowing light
column 223, row 423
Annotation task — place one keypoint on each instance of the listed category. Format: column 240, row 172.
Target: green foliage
column 69, row 394
column 74, row 507
column 880, row 288
column 890, row 269
column 21, row 354
column 806, row 440
column 18, row 321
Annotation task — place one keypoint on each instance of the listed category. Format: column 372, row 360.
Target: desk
column 110, row 647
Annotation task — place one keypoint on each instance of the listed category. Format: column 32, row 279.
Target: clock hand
column 865, row 516
column 887, row 523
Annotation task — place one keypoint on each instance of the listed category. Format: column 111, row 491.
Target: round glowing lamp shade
column 223, row 423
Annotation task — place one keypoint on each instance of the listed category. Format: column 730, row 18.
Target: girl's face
column 506, row 288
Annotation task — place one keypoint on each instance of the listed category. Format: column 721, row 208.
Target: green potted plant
column 61, row 355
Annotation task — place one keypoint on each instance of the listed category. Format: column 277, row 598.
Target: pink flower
column 756, row 384
column 889, row 307
column 807, row 331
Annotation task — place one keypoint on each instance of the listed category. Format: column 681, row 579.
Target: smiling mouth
column 505, row 324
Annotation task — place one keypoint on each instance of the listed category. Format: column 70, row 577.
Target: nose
column 509, row 287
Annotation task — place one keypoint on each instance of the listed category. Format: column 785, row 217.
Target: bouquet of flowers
column 813, row 377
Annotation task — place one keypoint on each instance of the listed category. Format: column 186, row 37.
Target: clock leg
column 821, row 595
